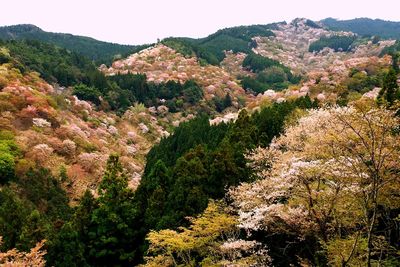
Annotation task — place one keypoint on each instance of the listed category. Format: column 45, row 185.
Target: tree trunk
column 370, row 230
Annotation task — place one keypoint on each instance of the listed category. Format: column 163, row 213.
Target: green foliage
column 34, row 230
column 257, row 63
column 390, row 89
column 362, row 82
column 6, row 135
column 136, row 88
column 4, row 56
column 218, row 43
column 66, row 249
column 8, row 153
column 392, row 50
column 101, row 52
column 187, row 136
column 365, row 27
column 67, row 68
column 245, row 32
column 84, row 92
column 13, row 214
column 7, row 167
column 199, row 162
column 252, row 84
column 270, row 74
column 191, row 47
column 312, row 24
column 45, row 192
column 31, row 209
column 111, row 242
column 102, row 231
column 72, row 242
column 181, row 45
column 222, row 103
column 192, row 93
column 336, row 42
column 55, row 64
column 194, row 244
column 211, row 48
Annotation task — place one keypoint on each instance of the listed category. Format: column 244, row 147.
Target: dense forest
column 337, row 43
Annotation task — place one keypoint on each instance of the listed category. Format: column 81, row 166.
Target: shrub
column 7, row 167
column 6, row 135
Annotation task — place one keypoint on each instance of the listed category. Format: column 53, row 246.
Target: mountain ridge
column 236, row 38
column 365, row 26
column 99, row 51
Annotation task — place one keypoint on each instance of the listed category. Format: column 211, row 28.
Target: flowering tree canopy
column 330, row 172
column 211, row 240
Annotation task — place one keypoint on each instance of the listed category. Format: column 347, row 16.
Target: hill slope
column 365, row 26
column 96, row 50
column 211, row 48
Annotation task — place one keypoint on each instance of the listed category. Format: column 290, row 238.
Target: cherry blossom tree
column 328, row 174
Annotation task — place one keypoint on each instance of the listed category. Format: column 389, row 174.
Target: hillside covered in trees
column 101, row 52
column 211, row 48
column 365, row 26
column 262, row 145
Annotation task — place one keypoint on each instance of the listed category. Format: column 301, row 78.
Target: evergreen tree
column 390, row 89
column 111, row 239
column 34, row 230
column 157, row 186
column 67, row 248
column 70, row 247
column 395, row 61
column 227, row 100
column 13, row 214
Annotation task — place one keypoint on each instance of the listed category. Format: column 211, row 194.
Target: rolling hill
column 365, row 26
column 101, row 52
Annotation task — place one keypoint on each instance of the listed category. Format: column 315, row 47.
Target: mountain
column 102, row 52
column 365, row 26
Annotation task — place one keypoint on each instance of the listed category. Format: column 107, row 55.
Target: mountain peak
column 19, row 28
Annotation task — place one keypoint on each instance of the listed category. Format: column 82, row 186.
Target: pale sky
column 138, row 22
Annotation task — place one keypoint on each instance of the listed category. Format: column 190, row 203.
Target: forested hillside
column 211, row 48
column 365, row 26
column 101, row 52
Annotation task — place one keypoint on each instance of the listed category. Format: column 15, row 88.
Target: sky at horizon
column 139, row 22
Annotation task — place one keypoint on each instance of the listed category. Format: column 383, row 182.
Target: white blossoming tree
column 328, row 175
